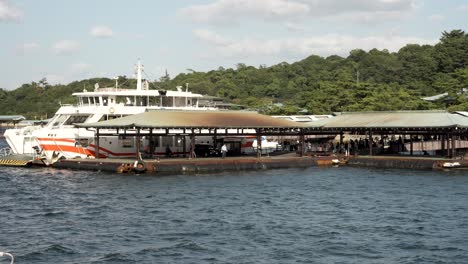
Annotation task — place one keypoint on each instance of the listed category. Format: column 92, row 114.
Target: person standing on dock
column 224, row 150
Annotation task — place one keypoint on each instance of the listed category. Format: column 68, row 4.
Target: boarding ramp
column 14, row 160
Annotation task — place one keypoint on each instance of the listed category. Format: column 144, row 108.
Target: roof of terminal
column 395, row 119
column 196, row 119
column 11, row 118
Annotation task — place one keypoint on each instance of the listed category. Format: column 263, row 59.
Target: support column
column 192, row 146
column 137, row 143
column 453, row 145
column 448, row 144
column 411, row 145
column 96, row 145
column 184, row 146
column 340, row 147
column 215, row 138
column 151, row 144
column 259, row 143
column 442, row 144
column 371, row 142
column 301, row 142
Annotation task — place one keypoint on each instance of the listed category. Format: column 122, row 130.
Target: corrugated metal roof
column 195, row 119
column 397, row 119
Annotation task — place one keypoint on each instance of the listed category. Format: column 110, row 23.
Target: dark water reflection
column 315, row 215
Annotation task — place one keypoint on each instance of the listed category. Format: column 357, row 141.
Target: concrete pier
column 193, row 166
column 400, row 162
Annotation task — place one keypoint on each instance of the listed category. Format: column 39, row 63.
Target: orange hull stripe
column 57, row 139
column 77, row 150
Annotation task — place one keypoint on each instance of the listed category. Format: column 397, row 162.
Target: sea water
column 313, row 215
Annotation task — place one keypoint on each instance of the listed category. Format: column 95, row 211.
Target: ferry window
column 128, row 101
column 179, row 141
column 154, row 101
column 126, row 142
column 167, row 101
column 104, row 101
column 179, row 101
column 167, row 141
column 76, row 119
column 83, row 142
column 140, row 101
column 59, row 120
column 109, row 117
column 85, row 100
column 96, row 100
column 154, row 141
column 120, row 100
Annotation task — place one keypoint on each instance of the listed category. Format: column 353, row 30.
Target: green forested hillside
column 363, row 81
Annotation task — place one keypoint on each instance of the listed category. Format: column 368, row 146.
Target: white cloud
column 66, row 47
column 463, row 7
column 211, row 37
column 294, row 27
column 436, row 18
column 9, row 13
column 337, row 7
column 26, row 47
column 102, row 32
column 232, row 11
column 325, row 45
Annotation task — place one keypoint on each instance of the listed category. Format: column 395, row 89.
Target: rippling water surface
column 314, row 215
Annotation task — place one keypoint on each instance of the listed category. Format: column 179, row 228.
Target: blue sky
column 71, row 40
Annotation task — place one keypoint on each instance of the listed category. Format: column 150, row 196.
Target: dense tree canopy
column 363, row 81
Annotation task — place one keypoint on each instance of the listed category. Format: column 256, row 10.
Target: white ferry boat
column 59, row 138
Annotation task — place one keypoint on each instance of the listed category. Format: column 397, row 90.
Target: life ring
column 139, row 166
column 111, row 110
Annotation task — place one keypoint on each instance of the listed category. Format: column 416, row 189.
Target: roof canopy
column 406, row 120
column 11, row 118
column 196, row 119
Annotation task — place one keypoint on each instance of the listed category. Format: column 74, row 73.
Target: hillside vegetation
column 364, row 81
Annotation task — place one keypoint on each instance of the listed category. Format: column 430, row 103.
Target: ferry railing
column 6, row 151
